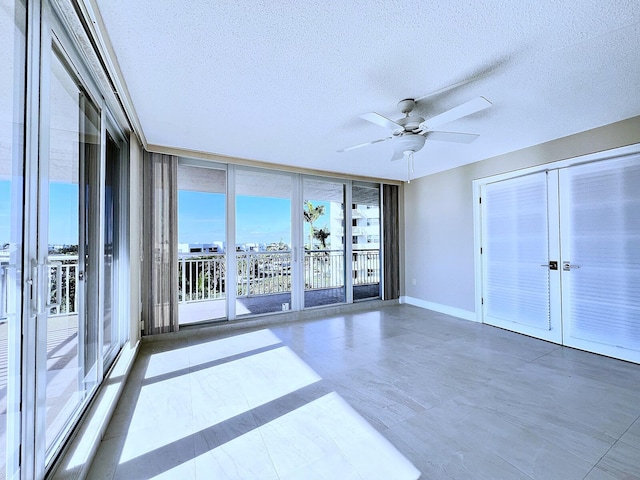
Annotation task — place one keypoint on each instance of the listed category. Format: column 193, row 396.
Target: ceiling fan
column 410, row 132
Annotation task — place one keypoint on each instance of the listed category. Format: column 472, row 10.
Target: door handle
column 552, row 265
column 566, row 266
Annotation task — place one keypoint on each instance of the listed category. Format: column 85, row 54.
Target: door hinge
column 480, row 250
column 479, row 199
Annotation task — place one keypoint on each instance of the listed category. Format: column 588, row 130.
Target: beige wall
column 135, row 239
column 438, row 246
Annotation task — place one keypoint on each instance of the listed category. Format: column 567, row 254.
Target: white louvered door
column 519, row 225
column 600, row 225
column 587, row 219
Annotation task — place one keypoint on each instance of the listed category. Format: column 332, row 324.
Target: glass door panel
column 202, row 256
column 324, row 247
column 112, row 205
column 365, row 239
column 12, row 74
column 73, row 250
column 263, row 242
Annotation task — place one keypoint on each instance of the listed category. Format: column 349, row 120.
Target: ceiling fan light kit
column 407, row 143
column 410, row 132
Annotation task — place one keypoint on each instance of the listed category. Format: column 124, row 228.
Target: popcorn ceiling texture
column 284, row 82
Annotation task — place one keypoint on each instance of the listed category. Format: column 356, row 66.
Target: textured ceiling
column 285, row 81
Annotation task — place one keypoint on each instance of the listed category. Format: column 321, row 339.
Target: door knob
column 566, row 266
column 553, row 265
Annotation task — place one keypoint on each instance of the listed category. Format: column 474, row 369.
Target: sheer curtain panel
column 160, row 287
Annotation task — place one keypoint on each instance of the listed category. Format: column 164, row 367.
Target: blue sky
column 201, row 217
column 63, row 213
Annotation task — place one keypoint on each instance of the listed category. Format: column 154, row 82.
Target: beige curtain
column 160, row 244
column 391, row 242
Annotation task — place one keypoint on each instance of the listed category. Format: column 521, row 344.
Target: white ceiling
column 285, row 81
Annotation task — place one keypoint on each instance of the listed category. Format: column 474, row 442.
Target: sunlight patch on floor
column 325, row 438
column 239, row 408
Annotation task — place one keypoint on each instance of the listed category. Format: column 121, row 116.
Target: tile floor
column 390, row 393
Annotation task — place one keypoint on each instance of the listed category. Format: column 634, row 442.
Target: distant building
column 365, row 240
column 200, row 248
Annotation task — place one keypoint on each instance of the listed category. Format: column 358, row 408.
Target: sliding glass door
column 279, row 242
column 365, row 240
column 324, row 242
column 202, row 248
column 115, row 298
column 80, row 256
column 263, row 241
column 63, row 235
column 70, row 199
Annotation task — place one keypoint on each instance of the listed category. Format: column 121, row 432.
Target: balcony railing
column 203, row 277
column 62, row 279
column 263, row 273
column 323, row 269
column 366, row 267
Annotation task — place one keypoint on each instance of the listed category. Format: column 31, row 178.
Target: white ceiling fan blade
column 364, row 144
column 472, row 106
column 397, row 155
column 452, row 137
column 378, row 119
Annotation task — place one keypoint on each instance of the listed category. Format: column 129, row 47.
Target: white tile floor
column 369, row 395
column 240, row 407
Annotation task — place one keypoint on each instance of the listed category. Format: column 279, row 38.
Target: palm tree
column 311, row 214
column 322, row 236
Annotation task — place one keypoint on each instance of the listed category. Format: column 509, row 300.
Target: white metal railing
column 366, row 267
column 263, row 273
column 323, row 269
column 62, row 278
column 203, row 277
column 4, row 290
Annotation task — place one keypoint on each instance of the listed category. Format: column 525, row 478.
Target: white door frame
column 479, row 184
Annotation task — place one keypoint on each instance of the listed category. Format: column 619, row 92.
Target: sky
column 63, row 213
column 201, row 217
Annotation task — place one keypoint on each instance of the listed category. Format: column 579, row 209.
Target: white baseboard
column 437, row 307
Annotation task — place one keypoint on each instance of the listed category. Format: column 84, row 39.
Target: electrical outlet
column 413, row 281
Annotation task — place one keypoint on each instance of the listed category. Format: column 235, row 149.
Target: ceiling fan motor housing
column 409, row 143
column 406, row 105
column 411, row 123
